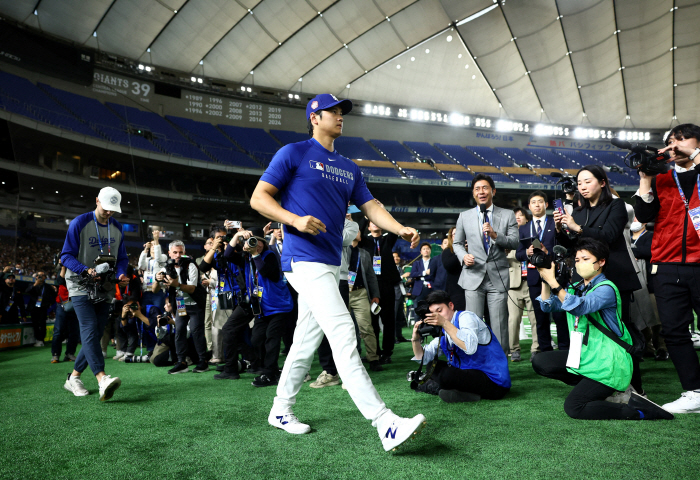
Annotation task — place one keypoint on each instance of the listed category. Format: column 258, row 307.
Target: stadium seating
column 356, row 148
column 379, row 172
column 423, row 174
column 553, row 159
column 393, row 150
column 500, row 177
column 528, row 178
column 458, row 176
column 286, row 136
column 519, row 157
column 460, row 154
column 491, row 156
column 255, row 141
column 425, row 149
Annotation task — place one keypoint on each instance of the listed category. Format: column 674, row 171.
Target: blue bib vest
column 276, row 297
column 488, row 358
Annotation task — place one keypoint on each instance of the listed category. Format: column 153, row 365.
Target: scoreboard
column 215, row 109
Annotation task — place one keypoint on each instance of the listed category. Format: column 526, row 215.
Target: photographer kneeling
column 595, row 364
column 476, row 366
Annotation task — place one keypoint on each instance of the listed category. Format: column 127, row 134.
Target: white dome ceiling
column 590, row 62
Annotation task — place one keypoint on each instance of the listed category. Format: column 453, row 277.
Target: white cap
column 110, row 198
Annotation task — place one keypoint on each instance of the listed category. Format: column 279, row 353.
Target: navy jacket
column 548, row 240
column 417, row 272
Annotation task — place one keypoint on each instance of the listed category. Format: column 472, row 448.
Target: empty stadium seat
column 393, row 150
column 460, row 154
column 425, row 149
column 423, row 174
column 379, row 172
column 491, row 156
column 356, row 148
column 285, row 136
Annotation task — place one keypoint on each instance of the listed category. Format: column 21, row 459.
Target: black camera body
column 170, row 268
column 164, row 319
column 422, row 310
column 562, row 271
column 648, row 161
column 567, row 182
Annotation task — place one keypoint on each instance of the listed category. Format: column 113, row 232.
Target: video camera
column 644, row 158
column 567, row 182
column 99, row 285
column 562, row 271
column 422, row 310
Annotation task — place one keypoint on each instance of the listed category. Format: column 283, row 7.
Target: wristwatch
column 694, row 154
column 555, row 291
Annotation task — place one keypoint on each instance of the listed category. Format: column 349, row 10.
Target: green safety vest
column 602, row 359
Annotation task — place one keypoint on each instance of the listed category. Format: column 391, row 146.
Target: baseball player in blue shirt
column 316, row 183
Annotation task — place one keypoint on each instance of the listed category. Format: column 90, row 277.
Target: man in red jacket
column 672, row 200
column 66, row 326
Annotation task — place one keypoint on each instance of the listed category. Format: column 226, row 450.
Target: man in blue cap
column 316, row 183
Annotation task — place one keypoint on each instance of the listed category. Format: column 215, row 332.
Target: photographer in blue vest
column 476, row 365
column 269, row 298
column 598, row 362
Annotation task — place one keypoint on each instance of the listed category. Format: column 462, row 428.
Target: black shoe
column 264, row 381
column 431, row 387
column 364, row 360
column 179, row 368
column 648, row 352
column 220, row 367
column 384, row 360
column 661, row 355
column 375, row 366
column 227, row 376
column 202, row 367
column 455, row 396
column 650, row 410
column 402, row 340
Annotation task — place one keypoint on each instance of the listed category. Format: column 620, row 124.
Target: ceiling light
column 36, row 12
column 296, row 97
column 194, row 79
column 140, row 67
column 459, row 56
column 175, row 11
column 94, row 34
column 473, row 77
column 148, row 69
column 56, row 191
column 199, row 80
column 347, row 86
column 427, row 50
column 398, row 67
column 449, row 38
column 413, row 59
column 251, row 72
column 148, row 50
column 291, row 95
column 248, row 89
column 201, row 62
column 301, row 79
column 466, row 66
column 242, row 88
column 477, row 14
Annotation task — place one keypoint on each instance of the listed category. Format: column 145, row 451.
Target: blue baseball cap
column 325, row 101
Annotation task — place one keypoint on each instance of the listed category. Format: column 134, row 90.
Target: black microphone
column 619, row 143
column 482, row 207
column 556, row 174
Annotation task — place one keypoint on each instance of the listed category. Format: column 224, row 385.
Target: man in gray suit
column 489, row 231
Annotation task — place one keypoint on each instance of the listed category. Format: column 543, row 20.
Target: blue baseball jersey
column 316, row 182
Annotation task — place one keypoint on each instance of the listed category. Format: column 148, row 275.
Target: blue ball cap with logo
column 325, row 101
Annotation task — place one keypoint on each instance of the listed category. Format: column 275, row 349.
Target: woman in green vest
column 596, row 365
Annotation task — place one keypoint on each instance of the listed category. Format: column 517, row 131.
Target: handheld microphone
column 619, row 143
column 638, row 148
column 556, row 174
column 482, row 207
column 559, row 250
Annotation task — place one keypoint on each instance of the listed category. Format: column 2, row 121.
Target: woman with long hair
column 453, row 267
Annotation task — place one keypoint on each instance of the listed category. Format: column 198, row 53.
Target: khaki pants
column 519, row 300
column 208, row 322
column 359, row 304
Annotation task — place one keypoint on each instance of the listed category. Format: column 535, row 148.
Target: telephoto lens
column 136, row 359
column 252, row 242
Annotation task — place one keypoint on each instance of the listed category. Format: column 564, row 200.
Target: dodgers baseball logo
column 314, row 104
column 113, row 200
column 316, row 165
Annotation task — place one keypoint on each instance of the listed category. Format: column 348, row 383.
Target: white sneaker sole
column 415, row 432
column 322, row 385
column 678, row 411
column 67, row 387
column 276, row 424
column 109, row 391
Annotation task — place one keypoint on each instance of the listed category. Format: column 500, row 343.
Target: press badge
column 38, row 302
column 523, row 269
column 377, row 265
column 576, row 342
column 148, row 278
column 352, row 276
column 258, row 291
column 695, row 218
column 180, row 302
column 213, row 304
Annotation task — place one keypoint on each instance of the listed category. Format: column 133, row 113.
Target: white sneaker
column 119, row 355
column 325, row 380
column 307, row 378
column 75, row 386
column 688, row 403
column 39, row 344
column 124, row 357
column 108, row 385
column 695, row 337
column 400, row 430
column 289, row 423
column 104, row 354
column 621, row 397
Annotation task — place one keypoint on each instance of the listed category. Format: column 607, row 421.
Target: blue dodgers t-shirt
column 316, row 182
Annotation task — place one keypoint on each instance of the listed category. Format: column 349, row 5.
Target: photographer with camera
column 186, row 296
column 41, row 297
column 598, row 362
column 601, row 216
column 164, row 353
column 541, row 228
column 139, row 323
column 270, row 300
column 89, row 241
column 476, row 365
column 151, row 260
column 672, row 201
column 11, row 301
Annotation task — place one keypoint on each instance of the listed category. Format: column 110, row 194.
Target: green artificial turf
column 161, row 426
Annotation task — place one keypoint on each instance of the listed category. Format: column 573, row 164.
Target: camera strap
column 99, row 238
column 693, row 213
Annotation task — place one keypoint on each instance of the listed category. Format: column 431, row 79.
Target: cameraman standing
column 91, row 237
column 187, row 297
column 11, row 302
column 671, row 200
column 41, row 297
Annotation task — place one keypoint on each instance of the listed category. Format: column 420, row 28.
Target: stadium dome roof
column 607, row 63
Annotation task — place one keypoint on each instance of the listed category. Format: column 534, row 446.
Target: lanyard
column 680, row 190
column 99, row 238
column 379, row 252
column 253, row 276
column 357, row 268
column 532, row 224
column 634, row 242
column 224, row 265
column 42, row 291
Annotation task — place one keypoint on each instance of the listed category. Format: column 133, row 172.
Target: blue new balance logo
column 284, row 422
column 389, row 432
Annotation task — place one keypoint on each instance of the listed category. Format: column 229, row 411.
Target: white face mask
column 636, row 226
column 587, row 270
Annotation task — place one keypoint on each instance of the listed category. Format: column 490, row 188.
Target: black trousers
column 677, row 288
column 65, row 327
column 127, row 337
column 472, row 381
column 266, row 339
column 233, row 332
column 626, row 299
column 39, row 323
column 399, row 316
column 544, row 335
column 195, row 318
column 288, row 335
column 587, row 400
column 388, row 316
column 163, row 352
